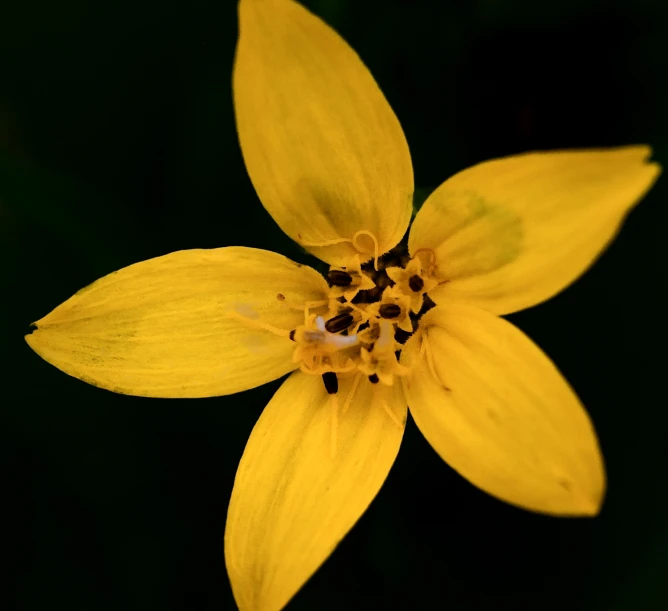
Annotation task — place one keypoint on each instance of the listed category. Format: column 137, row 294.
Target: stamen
column 312, row 304
column 415, row 283
column 331, row 382
column 391, row 414
column 338, row 277
column 425, row 350
column 432, row 257
column 324, row 243
column 339, row 323
column 375, row 245
column 386, row 336
column 353, row 241
column 301, row 306
column 334, row 408
column 323, row 337
column 389, row 310
column 256, row 324
column 353, row 388
column 370, row 315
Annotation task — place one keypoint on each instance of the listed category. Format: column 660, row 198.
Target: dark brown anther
column 389, row 310
column 337, row 277
column 292, row 335
column 373, row 378
column 331, row 382
column 339, row 323
column 415, row 283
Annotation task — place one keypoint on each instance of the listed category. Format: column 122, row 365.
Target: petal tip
column 644, row 153
column 589, row 507
column 587, row 499
column 30, row 336
column 656, row 168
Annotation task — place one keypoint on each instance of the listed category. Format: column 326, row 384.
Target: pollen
column 346, row 281
column 389, row 310
column 415, row 283
column 338, row 323
column 416, row 279
column 374, row 307
column 339, row 277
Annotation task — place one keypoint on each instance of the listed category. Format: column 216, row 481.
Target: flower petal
column 174, row 326
column 325, row 152
column 294, row 498
column 511, row 233
column 499, row 412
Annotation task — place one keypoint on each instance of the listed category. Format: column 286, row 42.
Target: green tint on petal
column 324, row 150
column 513, row 232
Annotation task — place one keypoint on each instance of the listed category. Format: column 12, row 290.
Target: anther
column 339, row 323
column 415, row 283
column 373, row 378
column 337, row 277
column 331, row 382
column 389, row 310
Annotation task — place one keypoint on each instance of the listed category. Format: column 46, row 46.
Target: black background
column 117, row 144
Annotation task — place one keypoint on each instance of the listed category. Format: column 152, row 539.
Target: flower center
column 358, row 331
column 372, row 310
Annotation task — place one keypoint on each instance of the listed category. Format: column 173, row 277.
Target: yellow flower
column 392, row 327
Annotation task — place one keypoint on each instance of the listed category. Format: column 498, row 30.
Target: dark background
column 117, row 144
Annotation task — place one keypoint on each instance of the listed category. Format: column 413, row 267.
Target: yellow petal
column 511, row 233
column 325, row 152
column 295, row 498
column 499, row 412
column 188, row 324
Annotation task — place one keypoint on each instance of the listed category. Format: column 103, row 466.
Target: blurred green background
column 117, row 144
